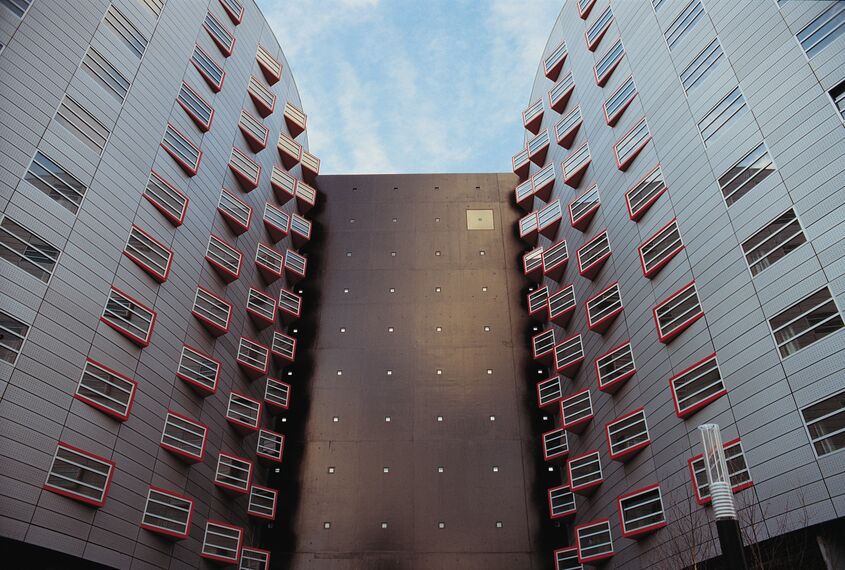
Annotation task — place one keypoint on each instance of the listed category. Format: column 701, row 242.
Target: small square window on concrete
column 440, row 470
column 327, row 525
column 480, row 219
column 489, row 371
column 384, row 525
column 331, row 469
column 498, row 524
column 441, row 525
column 386, row 469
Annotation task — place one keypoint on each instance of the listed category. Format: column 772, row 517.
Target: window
column 644, row 193
column 576, row 411
column 290, row 306
column 254, row 559
column 235, row 10
column 822, row 31
column 295, row 266
column 123, row 28
column 824, row 422
column 129, row 317
column 212, row 311
column 627, row 435
column 538, row 146
column 730, row 107
column 677, row 313
column 567, row 559
column 235, row 212
column 225, row 259
column 616, row 104
column 277, row 394
column 543, row 344
column 567, row 127
column 777, row 239
column 603, row 307
column 807, row 321
column 25, row 250
column 583, row 208
column 837, row 95
column 528, row 228
column 222, row 542
column 172, row 203
column 242, row 412
column 584, row 7
column 555, row 444
column 543, row 181
column 554, row 260
column 553, row 62
column 276, row 221
column 269, row 262
column 533, row 116
column 549, row 391
column 538, row 300
column 290, row 151
column 592, row 255
column 283, row 184
column 641, row 512
column 197, row 108
column 594, row 541
column 155, row 6
column 685, row 21
column 17, row 7
column 262, row 502
column 106, row 390
column 199, row 370
column 264, row 99
column 562, row 306
column 310, row 165
column 254, row 130
column 254, row 358
column 233, row 473
column 46, row 175
column 208, row 68
column 569, row 354
column 561, row 92
column 738, row 473
column 607, row 63
column 585, row 472
column 629, row 146
column 747, row 173
column 656, row 4
column 105, row 73
column 306, row 197
column 85, row 126
column 575, row 164
column 524, row 194
column 148, row 253
column 183, row 151
column 12, row 335
column 295, row 119
column 701, row 65
column 283, row 346
column 596, row 32
column 270, row 67
column 261, row 307
column 184, row 437
column 561, row 502
column 520, row 163
column 532, row 262
column 246, row 170
column 79, row 475
column 300, row 229
column 697, row 386
column 548, row 219
column 167, row 513
column 660, row 248
column 270, row 446
column 218, row 32
column 614, row 367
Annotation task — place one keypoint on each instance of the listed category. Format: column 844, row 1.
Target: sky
column 413, row 85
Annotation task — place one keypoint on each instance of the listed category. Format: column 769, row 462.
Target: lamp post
column 721, row 495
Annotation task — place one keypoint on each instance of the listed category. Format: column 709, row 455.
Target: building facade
column 682, row 186
column 155, row 180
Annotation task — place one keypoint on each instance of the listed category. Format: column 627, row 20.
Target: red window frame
column 533, row 125
column 559, row 104
column 703, row 403
column 562, row 319
column 570, row 369
column 234, row 224
column 521, row 168
column 667, row 256
column 553, row 72
column 254, row 142
column 240, row 425
column 643, row 208
column 595, row 266
column 249, row 367
column 200, row 388
column 236, row 18
column 600, row 81
column 270, row 75
column 601, row 325
column 574, row 178
column 614, row 385
column 578, row 425
column 224, row 49
column 259, row 319
column 537, row 293
column 583, row 13
column 284, row 312
column 161, row 208
column 538, row 157
column 142, row 342
column 633, row 450
column 528, row 258
column 227, row 486
column 203, row 126
column 275, row 503
column 611, row 120
column 264, row 553
column 624, row 164
column 586, row 488
column 263, row 109
column 274, row 406
column 555, row 400
column 583, row 221
column 96, row 405
column 566, row 139
column 272, row 458
column 309, row 172
column 549, row 227
column 214, row 557
column 221, row 270
column 213, row 328
column 546, row 355
column 544, row 190
column 71, row 494
column 288, row 160
column 181, row 453
column 556, row 269
column 292, row 273
column 243, row 177
column 284, row 357
column 568, row 513
column 563, row 552
column 276, row 232
column 164, row 531
column 597, row 40
column 216, row 87
column 269, row 273
column 282, row 194
column 646, row 529
column 189, row 170
column 160, row 277
column 561, row 454
column 294, row 127
column 734, row 488
column 671, row 335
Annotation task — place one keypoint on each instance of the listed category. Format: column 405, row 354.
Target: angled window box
column 528, row 228
column 521, row 163
column 584, row 7
column 627, row 435
column 254, row 559
column 542, row 182
column 614, row 368
column 283, row 185
column 269, row 262
column 553, row 63
column 262, row 502
column 576, row 411
column 640, row 197
column 253, row 357
column 200, row 110
column 561, row 306
column 608, row 62
column 212, row 311
column 183, row 437
column 277, row 395
column 167, row 513
column 234, row 9
column 567, row 127
column 295, row 266
column 295, row 119
column 538, row 147
column 310, row 166
column 585, row 473
column 543, row 346
column 148, row 253
column 211, row 71
column 549, row 391
column 79, row 475
column 290, row 151
column 567, row 559
column 263, row 98
column 186, row 154
column 233, row 474
column 166, row 198
column 199, row 370
column 290, row 306
column 594, row 539
column 738, row 473
column 555, row 444
column 598, row 29
column 560, row 94
column 270, row 447
column 270, row 66
column 615, row 105
column 532, row 263
column 225, row 259
column 583, row 208
column 243, row 413
column 697, row 386
column 677, row 313
column 659, row 249
column 575, row 165
column 254, row 131
column 641, row 512
column 261, row 308
column 106, row 390
column 554, row 260
column 246, row 170
column 306, row 197
column 561, row 502
column 631, row 144
column 221, row 542
column 129, row 317
column 276, row 221
column 533, row 116
column 548, row 219
column 300, row 230
column 538, row 301
column 283, row 348
column 236, row 213
column 221, row 36
column 603, row 308
column 593, row 255
column 569, row 354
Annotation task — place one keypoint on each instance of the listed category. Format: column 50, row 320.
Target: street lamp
column 722, row 498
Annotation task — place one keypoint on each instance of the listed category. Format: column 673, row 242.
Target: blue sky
column 413, row 85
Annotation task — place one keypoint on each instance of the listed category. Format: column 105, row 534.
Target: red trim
column 270, row 75
column 543, row 191
column 592, row 45
column 268, row 457
column 236, row 18
column 203, row 126
column 551, row 402
column 584, row 220
column 562, row 319
column 570, row 368
column 555, row 271
column 214, row 328
column 587, row 9
column 631, row 451
column 531, row 236
column 533, row 125
column 611, row 121
column 277, row 233
column 549, row 499
column 226, row 486
column 307, row 172
column 181, row 453
column 289, row 160
column 234, row 224
column 548, row 457
column 261, row 320
column 550, row 227
column 646, row 529
column 539, row 156
column 603, row 323
column 294, row 128
column 560, row 103
column 546, row 355
column 533, row 273
column 142, row 342
column 654, row 270
column 574, row 178
column 161, row 278
column 558, row 552
column 269, row 273
column 275, row 503
column 666, row 338
column 537, row 293
column 274, row 405
column 247, row 182
column 623, row 165
column 567, row 138
column 249, row 367
column 578, row 425
column 226, row 50
column 697, row 406
column 164, row 531
column 587, row 487
column 216, row 87
column 292, row 273
column 281, row 193
column 242, row 426
column 592, row 270
column 253, row 549
column 597, row 557
column 200, row 388
column 553, row 72
column 161, row 208
column 189, row 170
column 734, row 488
column 293, row 348
column 254, row 142
column 71, row 494
column 600, row 81
column 223, row 558
column 298, row 312
column 263, row 109
column 522, row 169
column 635, row 216
column 613, row 386
column 97, row 405
column 223, row 271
